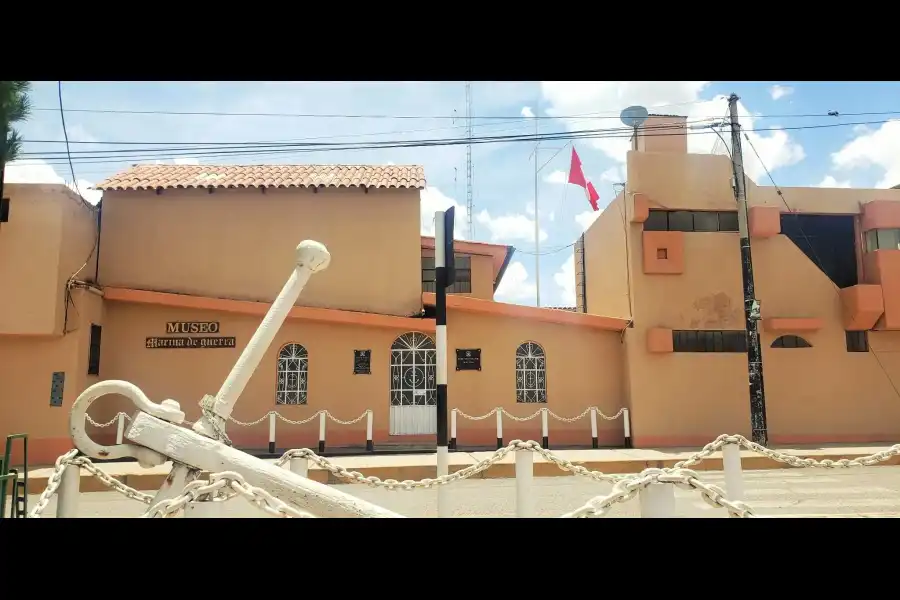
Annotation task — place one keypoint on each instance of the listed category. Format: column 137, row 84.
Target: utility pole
column 444, row 276
column 470, row 202
column 758, row 426
column 537, row 227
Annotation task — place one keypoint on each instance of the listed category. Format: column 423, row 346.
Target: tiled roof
column 150, row 177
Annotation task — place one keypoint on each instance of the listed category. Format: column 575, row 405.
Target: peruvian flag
column 576, row 176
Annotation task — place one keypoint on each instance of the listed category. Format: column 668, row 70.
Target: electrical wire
column 818, row 261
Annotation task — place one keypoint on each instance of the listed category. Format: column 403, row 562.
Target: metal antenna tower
column 469, row 201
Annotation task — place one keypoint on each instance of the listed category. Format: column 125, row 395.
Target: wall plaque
column 362, row 362
column 192, row 327
column 190, row 342
column 468, row 359
column 57, row 387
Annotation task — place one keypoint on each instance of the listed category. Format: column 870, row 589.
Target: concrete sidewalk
column 421, row 466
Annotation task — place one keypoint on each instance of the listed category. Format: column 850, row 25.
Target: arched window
column 791, row 341
column 293, row 368
column 531, row 373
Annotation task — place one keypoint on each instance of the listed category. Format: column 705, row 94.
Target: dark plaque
column 468, row 359
column 362, row 362
column 190, row 342
column 57, row 386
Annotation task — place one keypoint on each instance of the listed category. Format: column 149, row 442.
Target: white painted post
column 443, row 468
column 545, row 430
column 311, row 257
column 120, row 428
column 370, row 443
column 323, row 416
column 205, row 509
column 67, row 493
column 452, row 443
column 499, row 428
column 731, row 464
column 272, row 418
column 658, row 501
column 626, row 418
column 300, row 466
column 524, row 484
column 594, row 442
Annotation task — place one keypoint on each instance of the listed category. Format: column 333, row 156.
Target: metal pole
column 524, row 484
column 67, row 494
column 272, row 418
column 440, row 277
column 537, row 228
column 731, row 465
column 758, row 425
column 657, row 501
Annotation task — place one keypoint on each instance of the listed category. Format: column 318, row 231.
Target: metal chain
column 471, row 418
column 467, row 472
column 70, row 459
column 108, row 423
column 302, row 421
column 521, row 419
column 354, row 421
column 794, row 461
column 226, row 485
column 628, row 488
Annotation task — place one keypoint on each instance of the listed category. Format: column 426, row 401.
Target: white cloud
column 565, row 279
column 776, row 148
column 780, row 91
column 38, row 171
column 515, row 285
column 509, row 227
column 186, row 161
column 527, row 112
column 873, row 148
column 529, row 210
column 433, row 200
column 587, row 218
column 831, row 182
column 556, row 177
column 614, row 174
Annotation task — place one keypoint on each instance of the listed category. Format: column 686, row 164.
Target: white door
column 413, row 385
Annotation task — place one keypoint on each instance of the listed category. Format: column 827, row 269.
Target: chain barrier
column 251, row 423
column 584, row 413
column 108, row 423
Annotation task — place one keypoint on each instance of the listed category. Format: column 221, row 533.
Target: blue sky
column 844, row 156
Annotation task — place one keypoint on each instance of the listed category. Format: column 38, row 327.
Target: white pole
column 323, row 416
column 499, row 428
column 731, row 464
column 626, row 419
column 370, row 443
column 594, row 441
column 272, row 433
column 67, row 494
column 300, row 466
column 206, row 509
column 452, row 445
column 310, row 257
column 545, row 430
column 537, row 227
column 524, row 484
column 443, row 468
column 120, row 428
column 658, row 501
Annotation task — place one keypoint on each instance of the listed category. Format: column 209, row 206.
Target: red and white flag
column 576, row 177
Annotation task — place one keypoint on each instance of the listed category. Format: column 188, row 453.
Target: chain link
column 302, row 421
column 108, row 423
column 584, row 413
column 70, row 459
column 471, row 418
column 628, row 488
column 221, row 487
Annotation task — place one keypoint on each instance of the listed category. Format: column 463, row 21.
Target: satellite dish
column 633, row 116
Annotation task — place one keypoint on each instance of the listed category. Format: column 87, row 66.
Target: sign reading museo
column 189, row 327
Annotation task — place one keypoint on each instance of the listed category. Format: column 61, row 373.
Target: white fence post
column 271, row 433
column 370, row 443
column 545, row 430
column 322, row 417
column 443, row 469
column 452, row 444
column 300, row 466
column 731, row 464
column 499, row 428
column 658, row 501
column 120, row 428
column 626, row 419
column 594, row 442
column 67, row 493
column 204, row 509
column 524, row 484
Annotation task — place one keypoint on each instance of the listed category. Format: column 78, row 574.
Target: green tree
column 15, row 107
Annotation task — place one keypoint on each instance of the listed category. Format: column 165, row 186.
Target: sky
column 799, row 143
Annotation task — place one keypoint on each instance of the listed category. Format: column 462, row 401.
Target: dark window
column 463, row 284
column 94, row 352
column 4, row 210
column 828, row 241
column 691, row 221
column 791, row 341
column 709, row 341
column 857, row 341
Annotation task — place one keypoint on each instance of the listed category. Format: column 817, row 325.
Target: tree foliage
column 15, row 107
